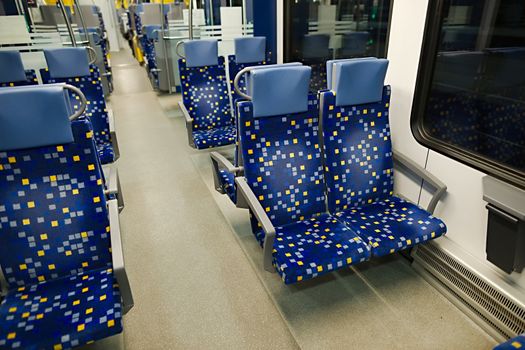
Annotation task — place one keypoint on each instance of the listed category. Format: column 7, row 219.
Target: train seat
column 518, row 342
column 63, row 279
column 12, row 72
column 224, row 170
column 359, row 161
column 71, row 66
column 148, row 47
column 249, row 52
column 205, row 98
column 284, row 181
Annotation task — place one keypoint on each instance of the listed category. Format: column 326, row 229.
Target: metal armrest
column 113, row 184
column 189, row 122
column 424, row 174
column 245, row 193
column 219, row 161
column 119, row 271
column 113, row 133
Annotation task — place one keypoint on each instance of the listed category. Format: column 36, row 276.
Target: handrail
column 236, row 82
column 90, row 49
column 83, row 99
column 177, row 49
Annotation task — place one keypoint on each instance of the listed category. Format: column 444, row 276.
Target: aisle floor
column 198, row 286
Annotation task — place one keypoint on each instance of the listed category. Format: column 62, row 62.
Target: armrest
column 119, row 270
column 249, row 198
column 416, row 169
column 113, row 133
column 189, row 122
column 113, row 184
column 3, row 285
column 219, row 161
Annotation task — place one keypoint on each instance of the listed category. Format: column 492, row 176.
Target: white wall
column 463, row 208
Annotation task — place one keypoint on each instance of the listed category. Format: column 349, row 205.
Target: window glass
column 476, row 98
column 320, row 30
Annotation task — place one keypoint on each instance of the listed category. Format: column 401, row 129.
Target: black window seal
column 427, row 60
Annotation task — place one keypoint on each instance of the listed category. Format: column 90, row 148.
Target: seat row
column 72, row 66
column 317, row 170
column 62, row 278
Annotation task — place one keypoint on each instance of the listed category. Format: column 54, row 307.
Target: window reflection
column 320, row 30
column 477, row 98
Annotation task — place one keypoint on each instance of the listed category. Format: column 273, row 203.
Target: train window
column 470, row 94
column 320, row 30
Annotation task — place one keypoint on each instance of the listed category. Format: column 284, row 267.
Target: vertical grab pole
column 75, row 3
column 190, row 21
column 165, row 45
column 68, row 23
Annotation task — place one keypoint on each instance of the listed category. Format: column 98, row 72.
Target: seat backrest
column 280, row 144
column 249, row 52
column 71, row 66
column 354, row 44
column 12, row 71
column 53, row 216
column 204, row 85
column 356, row 135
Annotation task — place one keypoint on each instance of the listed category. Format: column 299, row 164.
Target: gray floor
column 196, row 270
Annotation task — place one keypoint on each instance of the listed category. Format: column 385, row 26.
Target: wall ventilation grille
column 504, row 315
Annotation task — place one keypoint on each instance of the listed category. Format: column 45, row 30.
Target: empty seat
column 12, row 71
column 224, row 170
column 284, row 180
column 205, row 99
column 60, row 250
column 71, row 66
column 147, row 41
column 518, row 342
column 359, row 161
column 249, row 52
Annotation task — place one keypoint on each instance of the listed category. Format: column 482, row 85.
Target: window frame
column 427, row 61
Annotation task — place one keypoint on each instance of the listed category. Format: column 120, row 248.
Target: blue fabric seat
column 283, row 167
column 205, row 95
column 86, row 307
column 71, row 66
column 518, row 342
column 147, row 41
column 215, row 137
column 314, row 247
column 12, row 72
column 359, row 161
column 228, row 184
column 55, row 235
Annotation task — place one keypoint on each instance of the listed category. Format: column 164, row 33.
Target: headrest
column 11, row 67
column 280, row 91
column 166, row 8
column 43, row 122
column 357, row 81
column 316, row 46
column 330, row 65
column 267, row 66
column 151, row 31
column 250, row 50
column 67, row 62
column 200, row 53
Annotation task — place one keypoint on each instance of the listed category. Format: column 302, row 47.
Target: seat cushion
column 517, row 342
column 214, row 137
column 228, row 184
column 61, row 314
column 310, row 248
column 392, row 224
column 106, row 153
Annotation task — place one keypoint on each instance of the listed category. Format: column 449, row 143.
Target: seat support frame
column 219, row 161
column 189, row 123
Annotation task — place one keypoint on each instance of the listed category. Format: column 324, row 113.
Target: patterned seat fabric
column 205, row 95
column 392, row 224
column 31, row 79
column 360, row 179
column 214, row 137
column 96, row 109
column 228, row 184
column 283, row 167
column 517, row 342
column 314, row 247
column 53, row 215
column 86, row 306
